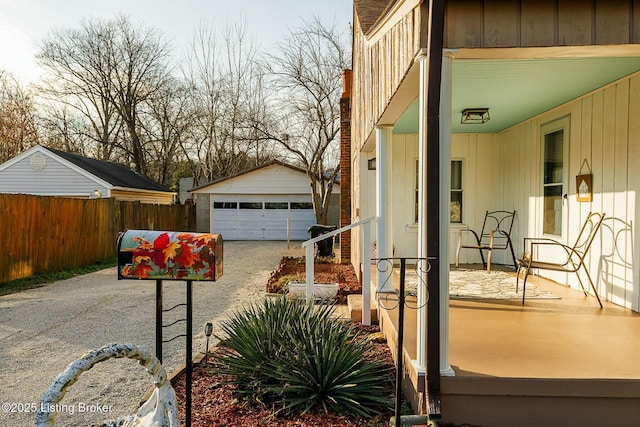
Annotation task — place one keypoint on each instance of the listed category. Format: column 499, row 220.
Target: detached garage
column 270, row 202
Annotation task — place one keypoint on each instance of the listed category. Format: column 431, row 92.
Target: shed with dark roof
column 49, row 172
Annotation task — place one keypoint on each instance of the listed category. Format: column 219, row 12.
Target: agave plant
column 297, row 356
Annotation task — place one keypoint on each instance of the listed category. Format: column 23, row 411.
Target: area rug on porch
column 478, row 284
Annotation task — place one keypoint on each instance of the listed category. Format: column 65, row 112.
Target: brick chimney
column 345, row 166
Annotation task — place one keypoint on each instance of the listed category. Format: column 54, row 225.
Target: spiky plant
column 297, row 356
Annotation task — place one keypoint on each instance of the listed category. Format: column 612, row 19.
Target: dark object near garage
column 325, row 247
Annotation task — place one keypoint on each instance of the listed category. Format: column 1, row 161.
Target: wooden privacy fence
column 43, row 234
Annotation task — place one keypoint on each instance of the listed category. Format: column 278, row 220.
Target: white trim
column 549, row 52
column 420, row 362
column 563, row 124
column 142, row 190
column 398, row 11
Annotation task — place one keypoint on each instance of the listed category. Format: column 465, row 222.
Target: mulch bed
column 324, row 272
column 213, row 403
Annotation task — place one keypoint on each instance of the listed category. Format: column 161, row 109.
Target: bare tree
column 77, row 86
column 17, row 118
column 227, row 95
column 62, row 127
column 305, row 119
column 107, row 70
column 165, row 123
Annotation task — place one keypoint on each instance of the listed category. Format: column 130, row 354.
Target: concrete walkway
column 43, row 330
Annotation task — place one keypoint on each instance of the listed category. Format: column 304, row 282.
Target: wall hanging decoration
column 584, row 183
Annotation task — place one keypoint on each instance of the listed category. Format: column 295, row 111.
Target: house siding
column 503, row 171
column 538, row 23
column 603, row 133
column 478, row 153
column 380, row 64
column 55, row 179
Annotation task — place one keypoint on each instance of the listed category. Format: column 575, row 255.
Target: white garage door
column 262, row 217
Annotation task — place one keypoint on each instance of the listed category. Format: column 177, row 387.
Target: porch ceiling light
column 475, row 116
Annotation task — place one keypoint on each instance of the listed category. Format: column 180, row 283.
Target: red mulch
column 213, row 404
column 324, row 272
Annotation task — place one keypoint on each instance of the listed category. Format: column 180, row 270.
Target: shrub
column 298, row 357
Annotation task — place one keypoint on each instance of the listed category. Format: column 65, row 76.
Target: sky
column 24, row 23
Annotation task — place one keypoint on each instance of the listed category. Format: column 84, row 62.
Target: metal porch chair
column 572, row 261
column 495, row 235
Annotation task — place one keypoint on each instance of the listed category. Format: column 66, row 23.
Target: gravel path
column 43, row 330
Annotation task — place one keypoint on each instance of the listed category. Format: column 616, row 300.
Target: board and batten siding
column 478, row 153
column 380, row 63
column 603, row 132
column 504, row 171
column 51, row 179
column 536, row 23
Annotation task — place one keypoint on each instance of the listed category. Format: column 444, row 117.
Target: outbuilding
column 268, row 202
column 46, row 171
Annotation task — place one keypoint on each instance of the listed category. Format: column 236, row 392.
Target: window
column 250, row 205
column 553, row 144
column 225, row 205
column 276, row 205
column 455, row 214
column 301, row 205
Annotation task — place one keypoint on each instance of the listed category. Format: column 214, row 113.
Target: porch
column 550, row 362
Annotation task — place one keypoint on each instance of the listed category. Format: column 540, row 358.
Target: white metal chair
column 572, row 261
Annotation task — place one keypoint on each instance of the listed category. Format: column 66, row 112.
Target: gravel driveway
column 43, row 330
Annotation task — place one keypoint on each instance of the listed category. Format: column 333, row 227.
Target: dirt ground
column 43, row 330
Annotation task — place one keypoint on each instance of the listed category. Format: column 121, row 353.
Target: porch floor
column 532, row 355
column 569, row 337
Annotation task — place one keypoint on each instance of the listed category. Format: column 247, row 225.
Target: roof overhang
column 514, row 83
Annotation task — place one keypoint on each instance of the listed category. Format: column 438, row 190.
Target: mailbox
column 169, row 255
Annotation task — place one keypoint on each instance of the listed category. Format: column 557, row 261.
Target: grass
column 40, row 280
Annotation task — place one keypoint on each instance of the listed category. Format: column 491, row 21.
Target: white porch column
column 445, row 189
column 421, row 320
column 384, row 242
column 445, row 203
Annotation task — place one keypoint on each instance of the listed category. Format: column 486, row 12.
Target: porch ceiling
column 515, row 90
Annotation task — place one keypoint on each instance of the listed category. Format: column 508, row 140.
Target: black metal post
column 189, row 362
column 399, row 355
column 436, row 36
column 159, row 320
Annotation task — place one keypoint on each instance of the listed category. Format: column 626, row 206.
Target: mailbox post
column 170, row 255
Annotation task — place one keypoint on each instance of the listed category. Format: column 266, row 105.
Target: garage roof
column 246, row 172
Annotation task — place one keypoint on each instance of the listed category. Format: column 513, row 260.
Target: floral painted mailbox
column 169, row 255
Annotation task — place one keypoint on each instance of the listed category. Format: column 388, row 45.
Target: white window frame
column 451, row 191
column 562, row 124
